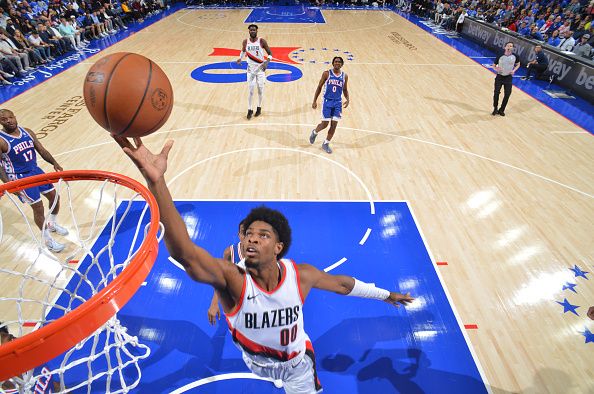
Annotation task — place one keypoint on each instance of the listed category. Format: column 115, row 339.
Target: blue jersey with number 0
column 333, row 87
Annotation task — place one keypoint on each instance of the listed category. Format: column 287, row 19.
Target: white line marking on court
column 174, row 262
column 308, row 125
column 482, row 57
column 569, row 132
column 450, row 300
column 364, row 239
column 388, row 18
column 216, row 378
column 338, row 263
column 348, row 170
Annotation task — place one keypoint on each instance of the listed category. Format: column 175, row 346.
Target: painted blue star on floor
column 578, row 272
column 568, row 307
column 320, row 56
column 589, row 336
column 570, row 286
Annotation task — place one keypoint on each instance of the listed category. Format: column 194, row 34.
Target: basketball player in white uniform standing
column 264, row 302
column 258, row 56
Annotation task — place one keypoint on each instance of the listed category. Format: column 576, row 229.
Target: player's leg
column 251, row 87
column 326, row 116
column 303, row 378
column 39, row 218
column 52, row 222
column 260, row 80
column 336, row 116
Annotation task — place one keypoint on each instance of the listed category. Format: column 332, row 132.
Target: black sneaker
column 250, row 113
column 500, row 112
column 258, row 111
column 494, row 112
column 524, row 78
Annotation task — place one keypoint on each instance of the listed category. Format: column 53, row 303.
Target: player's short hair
column 339, row 58
column 276, row 220
column 509, row 42
column 252, row 25
column 242, row 223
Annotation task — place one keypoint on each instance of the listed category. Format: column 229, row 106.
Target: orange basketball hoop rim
column 48, row 342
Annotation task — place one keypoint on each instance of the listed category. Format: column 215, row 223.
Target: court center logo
column 215, row 72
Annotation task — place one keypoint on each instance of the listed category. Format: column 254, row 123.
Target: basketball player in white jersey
column 264, row 302
column 234, row 254
column 256, row 49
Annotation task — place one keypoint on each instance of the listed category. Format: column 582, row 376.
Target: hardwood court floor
column 508, row 202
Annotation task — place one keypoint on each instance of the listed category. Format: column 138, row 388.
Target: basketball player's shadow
column 477, row 113
column 360, row 347
column 170, row 338
column 289, row 137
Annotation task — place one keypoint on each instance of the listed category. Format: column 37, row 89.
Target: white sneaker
column 54, row 245
column 56, row 228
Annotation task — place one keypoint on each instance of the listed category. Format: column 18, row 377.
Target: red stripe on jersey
column 280, row 283
column 255, row 348
column 257, row 60
column 298, row 282
column 310, row 353
column 240, row 303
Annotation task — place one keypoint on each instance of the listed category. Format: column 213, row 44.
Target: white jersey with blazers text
column 267, row 323
column 255, row 52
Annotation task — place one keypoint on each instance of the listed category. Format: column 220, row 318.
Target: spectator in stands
column 56, row 45
column 554, row 40
column 115, row 15
column 535, row 34
column 567, row 42
column 546, row 28
column 18, row 58
column 524, row 30
column 45, row 48
column 36, row 55
column 582, row 48
column 538, row 66
column 565, row 27
column 70, row 33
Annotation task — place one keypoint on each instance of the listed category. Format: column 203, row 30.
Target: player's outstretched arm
column 198, row 263
column 311, row 277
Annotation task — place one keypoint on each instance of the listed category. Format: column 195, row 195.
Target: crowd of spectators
column 565, row 24
column 35, row 33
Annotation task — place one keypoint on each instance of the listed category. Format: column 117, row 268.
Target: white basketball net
column 45, row 286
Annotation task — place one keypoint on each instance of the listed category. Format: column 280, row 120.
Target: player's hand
column 239, row 61
column 591, row 312
column 151, row 166
column 346, row 103
column 314, row 105
column 58, row 167
column 396, row 299
column 214, row 314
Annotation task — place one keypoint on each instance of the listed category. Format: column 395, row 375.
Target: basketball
column 128, row 94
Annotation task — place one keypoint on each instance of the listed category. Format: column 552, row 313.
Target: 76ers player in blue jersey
column 334, row 83
column 18, row 148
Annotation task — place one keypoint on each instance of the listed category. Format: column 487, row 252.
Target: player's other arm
column 200, row 265
column 242, row 54
column 311, row 277
column 268, row 51
column 44, row 153
column 345, row 91
column 325, row 76
column 3, row 149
